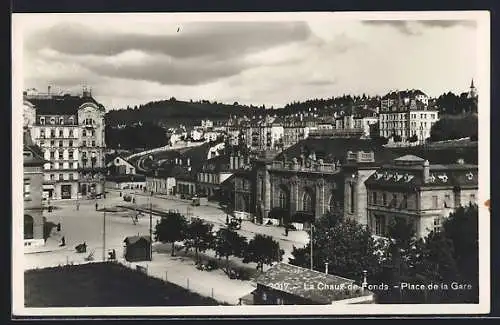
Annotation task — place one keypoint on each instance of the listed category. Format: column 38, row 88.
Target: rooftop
column 307, row 284
column 61, row 104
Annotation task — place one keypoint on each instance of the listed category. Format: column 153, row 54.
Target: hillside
column 173, row 111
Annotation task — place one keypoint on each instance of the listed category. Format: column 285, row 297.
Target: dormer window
column 469, row 176
column 71, row 120
column 42, row 120
column 52, row 120
column 61, row 120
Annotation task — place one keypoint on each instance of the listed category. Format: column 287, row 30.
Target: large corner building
column 69, row 129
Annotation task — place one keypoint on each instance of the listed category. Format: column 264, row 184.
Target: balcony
column 89, row 169
column 315, row 166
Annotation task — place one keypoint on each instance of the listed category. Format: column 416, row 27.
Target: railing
column 336, row 132
column 361, row 156
column 313, row 167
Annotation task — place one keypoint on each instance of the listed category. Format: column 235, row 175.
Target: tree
column 263, row 250
column 229, row 243
column 413, row 138
column 171, row 228
column 199, row 236
column 396, row 138
column 347, row 246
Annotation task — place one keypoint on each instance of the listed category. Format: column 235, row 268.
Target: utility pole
column 104, row 235
column 151, row 228
column 311, row 243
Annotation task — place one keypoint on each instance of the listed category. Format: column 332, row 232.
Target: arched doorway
column 28, row 227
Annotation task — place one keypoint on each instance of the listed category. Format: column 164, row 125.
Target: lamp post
column 151, row 227
column 311, row 239
column 104, row 234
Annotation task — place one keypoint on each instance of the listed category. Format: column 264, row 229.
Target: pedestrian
column 96, row 206
column 227, row 219
column 286, row 230
column 63, row 242
column 120, row 194
column 77, row 206
column 58, row 226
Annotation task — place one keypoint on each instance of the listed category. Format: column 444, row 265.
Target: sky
column 131, row 59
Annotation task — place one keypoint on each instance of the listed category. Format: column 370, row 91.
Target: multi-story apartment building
column 69, row 129
column 297, row 129
column 406, row 114
column 421, row 192
column 32, row 192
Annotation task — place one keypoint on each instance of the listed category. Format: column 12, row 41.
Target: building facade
column 422, row 193
column 69, row 129
column 406, row 116
column 120, row 166
column 32, row 193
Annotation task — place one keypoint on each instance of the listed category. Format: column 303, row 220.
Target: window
column 52, row 133
column 42, row 143
column 93, row 143
column 436, row 227
column 75, row 165
column 52, row 120
column 70, row 155
column 435, row 201
column 283, row 200
column 71, row 133
column 61, row 155
column 374, row 198
column 331, row 203
column 27, row 186
column 61, row 120
column 61, row 133
column 52, row 143
column 404, row 204
column 52, row 177
column 307, row 202
column 84, row 133
column 71, row 120
column 92, row 132
column 71, row 176
column 472, row 198
column 379, row 225
column 42, row 120
column 384, row 199
column 61, row 177
column 447, row 203
column 42, row 133
column 60, row 144
column 84, row 143
column 52, row 155
column 71, row 143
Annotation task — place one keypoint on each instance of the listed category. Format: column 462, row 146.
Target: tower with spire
column 472, row 90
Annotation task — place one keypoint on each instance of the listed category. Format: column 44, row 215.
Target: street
column 86, row 225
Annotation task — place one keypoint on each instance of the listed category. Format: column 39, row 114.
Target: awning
column 48, row 186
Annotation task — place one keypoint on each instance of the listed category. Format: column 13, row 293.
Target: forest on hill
column 173, row 112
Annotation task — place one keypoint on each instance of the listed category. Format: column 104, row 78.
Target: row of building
column 348, row 176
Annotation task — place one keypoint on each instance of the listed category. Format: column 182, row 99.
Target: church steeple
column 472, row 91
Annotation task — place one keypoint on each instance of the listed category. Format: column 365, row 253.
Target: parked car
column 234, row 224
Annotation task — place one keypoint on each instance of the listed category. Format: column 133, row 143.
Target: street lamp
column 151, row 227
column 311, row 243
column 104, row 234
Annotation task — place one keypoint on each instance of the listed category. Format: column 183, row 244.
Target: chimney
column 426, row 171
column 326, row 268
